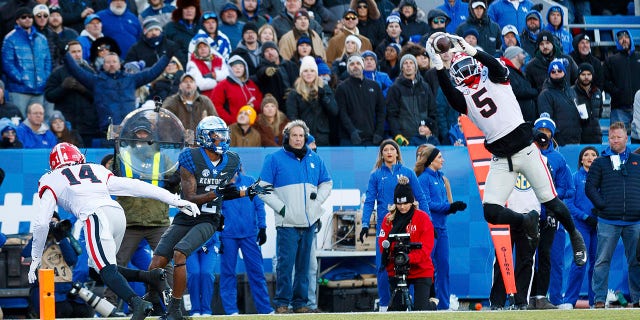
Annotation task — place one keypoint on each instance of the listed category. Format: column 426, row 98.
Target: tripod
column 401, row 299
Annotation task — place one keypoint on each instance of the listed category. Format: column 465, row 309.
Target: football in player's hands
column 442, row 43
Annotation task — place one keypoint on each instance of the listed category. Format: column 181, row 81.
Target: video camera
column 403, row 246
column 62, row 229
column 101, row 305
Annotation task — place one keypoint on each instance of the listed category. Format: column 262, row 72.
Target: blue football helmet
column 210, row 130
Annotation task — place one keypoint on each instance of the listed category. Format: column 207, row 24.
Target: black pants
column 421, row 288
column 540, row 284
column 522, row 271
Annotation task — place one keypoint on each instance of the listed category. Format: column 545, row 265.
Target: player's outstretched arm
column 498, row 73
column 41, row 230
column 119, row 186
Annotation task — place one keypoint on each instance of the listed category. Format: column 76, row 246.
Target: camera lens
column 313, row 195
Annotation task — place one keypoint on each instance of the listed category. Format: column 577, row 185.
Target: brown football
column 442, row 44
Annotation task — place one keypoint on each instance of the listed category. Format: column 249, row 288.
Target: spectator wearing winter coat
column 159, row 10
column 457, row 11
column 622, row 78
column 249, row 48
column 7, row 109
column 207, row 68
column 411, row 25
column 73, row 99
column 114, row 90
column 120, row 24
column 370, row 61
column 510, row 38
column 230, row 25
column 9, row 138
column 236, row 91
column 362, row 108
column 590, row 95
column 548, row 50
column 370, row 23
column 312, row 101
column 59, row 35
column 74, row 12
column 168, row 82
column 218, row 41
column 242, row 133
column 91, row 32
column 250, row 13
column 437, row 21
column 582, row 54
column 289, row 41
column 34, row 132
column 557, row 99
column 409, row 99
column 504, row 12
column 393, row 34
column 184, row 24
column 275, row 74
column 323, row 16
column 283, row 22
column 189, row 105
column 555, row 17
column 26, row 62
column 154, row 42
column 271, row 122
column 529, row 35
column 526, row 95
column 335, row 47
column 489, row 32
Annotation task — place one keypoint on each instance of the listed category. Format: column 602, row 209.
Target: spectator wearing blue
column 555, row 25
column 209, row 30
column 379, row 196
column 231, row 26
column 622, row 78
column 26, row 62
column 113, row 89
column 529, row 35
column 424, row 135
column 121, row 25
column 457, row 11
column 34, row 132
column 158, row 9
column 428, row 168
column 201, row 268
column 548, row 50
column 371, row 71
column 9, row 136
column 510, row 37
column 92, row 31
column 411, row 25
column 488, row 30
column 617, row 211
column 184, row 24
column 245, row 230
column 505, row 12
column 250, row 12
column 586, row 222
column 393, row 35
column 302, row 184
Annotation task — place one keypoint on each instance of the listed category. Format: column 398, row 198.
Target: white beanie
column 355, row 39
column 308, row 62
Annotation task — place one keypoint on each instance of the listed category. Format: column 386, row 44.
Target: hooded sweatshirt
column 490, row 33
column 560, row 32
column 621, row 72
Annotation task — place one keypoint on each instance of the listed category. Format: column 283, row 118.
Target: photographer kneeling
column 407, row 257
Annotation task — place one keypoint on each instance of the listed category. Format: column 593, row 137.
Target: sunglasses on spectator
column 26, row 16
column 45, row 16
column 439, row 20
column 350, row 18
column 557, row 71
column 173, row 62
column 104, row 47
column 209, row 15
column 362, row 6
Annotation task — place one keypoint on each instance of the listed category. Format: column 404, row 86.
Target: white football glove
column 436, row 60
column 432, row 38
column 35, row 263
column 460, row 45
column 188, row 207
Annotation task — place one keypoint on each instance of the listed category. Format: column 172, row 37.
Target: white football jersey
column 492, row 107
column 79, row 189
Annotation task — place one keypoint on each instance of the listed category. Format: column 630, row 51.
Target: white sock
column 383, row 308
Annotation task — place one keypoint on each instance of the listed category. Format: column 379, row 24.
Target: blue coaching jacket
column 432, row 183
column 560, row 173
column 579, row 205
column 293, row 181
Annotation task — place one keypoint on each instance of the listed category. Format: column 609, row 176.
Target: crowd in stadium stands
column 355, row 71
column 115, row 49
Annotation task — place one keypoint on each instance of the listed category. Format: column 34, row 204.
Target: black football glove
column 541, row 138
column 262, row 236
column 228, row 191
column 363, row 233
column 256, row 189
column 457, row 206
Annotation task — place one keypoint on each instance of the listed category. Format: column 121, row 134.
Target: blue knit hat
column 304, row 39
column 370, row 53
column 556, row 64
column 323, row 68
column 545, row 121
column 394, row 17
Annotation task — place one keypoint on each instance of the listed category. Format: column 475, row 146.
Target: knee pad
column 491, row 212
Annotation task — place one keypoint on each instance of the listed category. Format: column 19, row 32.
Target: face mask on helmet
column 211, row 130
column 464, row 69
